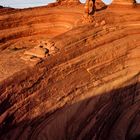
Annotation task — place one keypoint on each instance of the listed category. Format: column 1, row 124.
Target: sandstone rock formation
column 89, row 89
column 124, row 1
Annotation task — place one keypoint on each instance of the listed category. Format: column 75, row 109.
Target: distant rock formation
column 124, row 1
column 68, row 1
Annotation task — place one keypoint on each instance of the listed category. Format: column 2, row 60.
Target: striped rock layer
column 89, row 89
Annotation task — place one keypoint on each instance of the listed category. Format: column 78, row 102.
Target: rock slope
column 89, row 89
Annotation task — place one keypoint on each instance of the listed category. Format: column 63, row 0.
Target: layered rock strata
column 88, row 90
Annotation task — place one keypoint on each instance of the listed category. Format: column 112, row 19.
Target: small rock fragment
column 96, row 24
column 102, row 22
column 104, row 27
column 112, row 29
column 38, row 52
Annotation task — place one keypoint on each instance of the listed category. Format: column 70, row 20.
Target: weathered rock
column 96, row 24
column 37, row 51
column 90, row 90
column 102, row 22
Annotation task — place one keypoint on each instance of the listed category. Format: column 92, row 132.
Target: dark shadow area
column 4, row 105
column 98, row 9
column 102, row 8
column 137, row 138
column 96, row 117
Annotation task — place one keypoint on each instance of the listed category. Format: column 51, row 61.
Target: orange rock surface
column 87, row 87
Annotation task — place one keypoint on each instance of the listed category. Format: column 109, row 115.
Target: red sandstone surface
column 86, row 84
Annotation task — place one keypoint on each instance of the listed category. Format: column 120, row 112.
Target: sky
column 33, row 3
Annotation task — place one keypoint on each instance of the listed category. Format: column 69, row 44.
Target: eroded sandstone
column 86, row 89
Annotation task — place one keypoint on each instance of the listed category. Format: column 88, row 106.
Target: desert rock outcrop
column 89, row 89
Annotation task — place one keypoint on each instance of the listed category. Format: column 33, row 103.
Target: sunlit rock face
column 124, row 1
column 117, row 1
column 69, row 1
column 87, row 89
